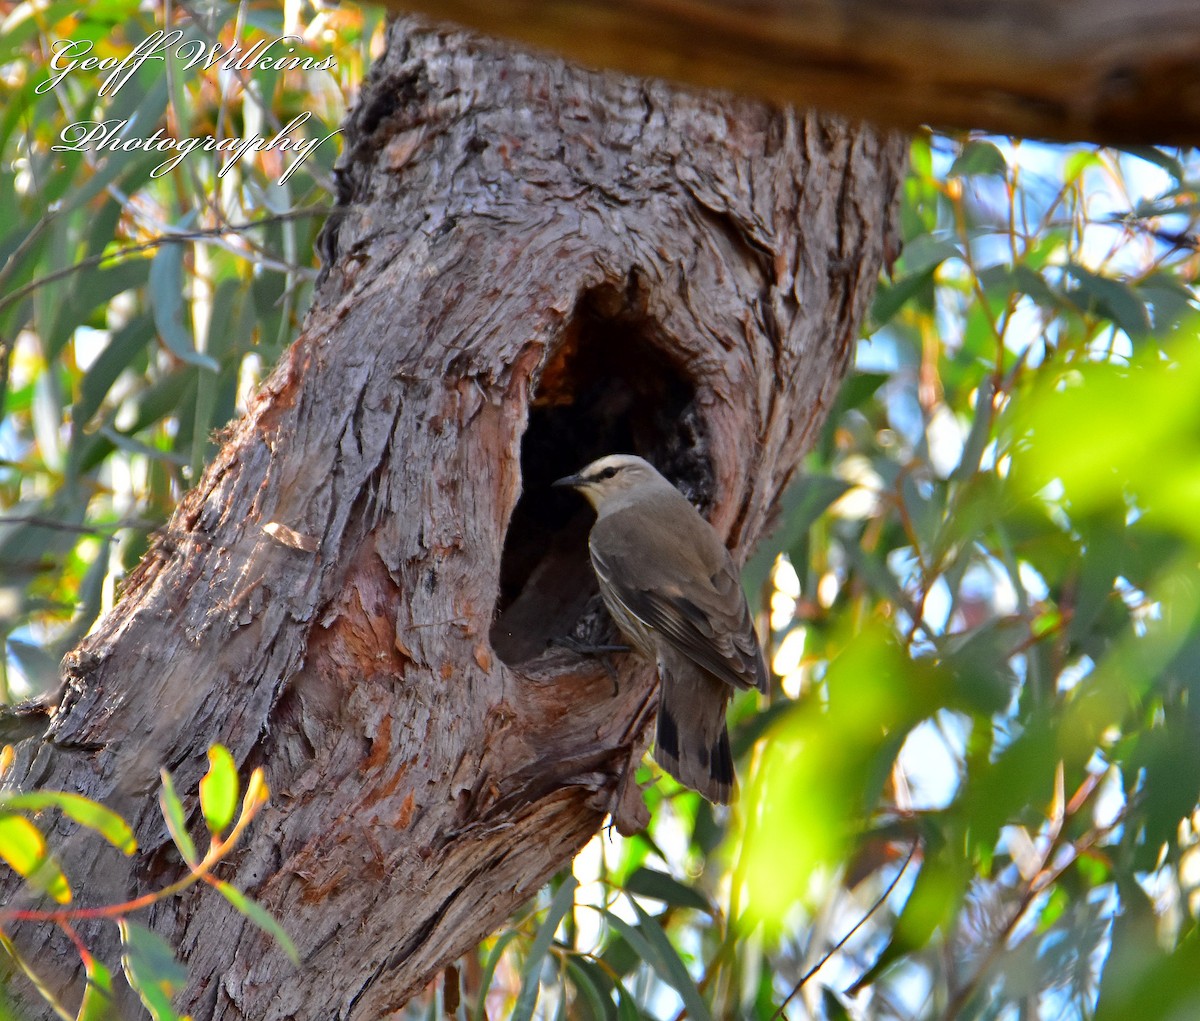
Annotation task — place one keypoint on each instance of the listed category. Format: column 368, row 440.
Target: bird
column 671, row 587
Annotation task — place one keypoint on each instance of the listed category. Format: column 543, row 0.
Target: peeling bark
column 530, row 265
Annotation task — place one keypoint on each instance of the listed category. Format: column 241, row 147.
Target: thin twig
column 27, row 242
column 62, row 526
column 879, row 902
column 172, row 238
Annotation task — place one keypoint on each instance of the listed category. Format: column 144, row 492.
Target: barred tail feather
column 692, row 744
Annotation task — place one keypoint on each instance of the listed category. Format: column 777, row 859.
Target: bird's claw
column 587, row 649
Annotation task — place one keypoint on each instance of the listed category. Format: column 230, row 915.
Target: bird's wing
column 681, row 583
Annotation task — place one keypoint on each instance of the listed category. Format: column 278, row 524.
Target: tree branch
column 1104, row 71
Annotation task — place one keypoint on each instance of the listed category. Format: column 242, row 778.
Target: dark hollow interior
column 609, row 388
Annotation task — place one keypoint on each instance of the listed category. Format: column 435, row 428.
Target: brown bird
column 670, row 585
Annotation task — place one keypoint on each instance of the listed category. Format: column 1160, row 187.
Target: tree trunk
column 530, row 265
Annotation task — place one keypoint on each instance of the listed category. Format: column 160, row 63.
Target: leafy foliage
column 973, row 791
column 139, row 307
column 147, row 960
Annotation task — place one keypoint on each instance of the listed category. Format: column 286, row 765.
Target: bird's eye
column 608, row 473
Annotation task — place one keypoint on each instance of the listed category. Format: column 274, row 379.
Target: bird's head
column 612, row 476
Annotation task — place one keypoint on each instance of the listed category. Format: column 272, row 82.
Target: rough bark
column 531, row 265
column 1105, row 71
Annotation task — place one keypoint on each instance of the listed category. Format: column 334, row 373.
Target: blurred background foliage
column 973, row 792
column 139, row 309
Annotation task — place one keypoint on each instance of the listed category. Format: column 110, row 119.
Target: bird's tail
column 692, row 743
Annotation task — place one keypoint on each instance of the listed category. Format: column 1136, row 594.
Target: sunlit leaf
column 821, row 770
column 97, row 1003
column 1150, row 449
column 219, row 789
column 24, row 848
column 257, row 792
column 83, row 810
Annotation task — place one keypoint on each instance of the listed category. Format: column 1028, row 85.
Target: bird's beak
column 567, row 482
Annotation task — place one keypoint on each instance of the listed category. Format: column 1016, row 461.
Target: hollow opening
column 610, row 388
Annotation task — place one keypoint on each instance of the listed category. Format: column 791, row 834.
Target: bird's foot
column 587, row 649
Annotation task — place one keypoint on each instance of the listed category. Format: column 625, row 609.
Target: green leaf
column 979, row 159
column 123, row 347
column 24, row 847
column 978, row 661
column 634, row 938
column 749, row 732
column 977, row 438
column 1168, row 757
column 166, row 291
column 934, row 898
column 219, row 790
column 489, row 969
column 835, row 1010
column 1111, row 299
column 890, row 299
column 1141, row 980
column 670, row 967
column 173, row 815
column 1078, row 162
column 94, row 287
column 150, row 966
column 1170, row 300
column 1161, row 159
column 1029, row 282
column 1101, row 563
column 127, row 443
column 627, row 1008
column 928, row 252
column 876, row 574
column 83, row 810
column 97, row 1004
column 648, row 882
column 804, row 501
column 564, row 898
column 261, row 917
column 591, row 1005
column 89, row 601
